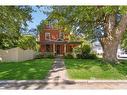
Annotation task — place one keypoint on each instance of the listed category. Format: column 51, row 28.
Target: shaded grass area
column 95, row 69
column 28, row 70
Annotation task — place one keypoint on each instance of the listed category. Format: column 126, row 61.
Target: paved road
column 38, row 86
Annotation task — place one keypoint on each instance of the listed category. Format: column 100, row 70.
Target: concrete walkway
column 57, row 79
column 58, row 73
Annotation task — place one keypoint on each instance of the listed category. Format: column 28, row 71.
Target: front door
column 58, row 49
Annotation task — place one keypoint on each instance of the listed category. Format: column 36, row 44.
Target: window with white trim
column 60, row 36
column 47, row 36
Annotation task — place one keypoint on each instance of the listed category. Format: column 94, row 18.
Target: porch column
column 64, row 49
column 54, row 48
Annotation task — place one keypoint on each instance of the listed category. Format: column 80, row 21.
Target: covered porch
column 58, row 47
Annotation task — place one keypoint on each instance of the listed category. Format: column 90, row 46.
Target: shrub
column 92, row 56
column 45, row 55
column 48, row 55
column 77, row 49
column 68, row 56
column 86, row 49
column 79, row 56
column 38, row 55
column 82, row 56
column 86, row 56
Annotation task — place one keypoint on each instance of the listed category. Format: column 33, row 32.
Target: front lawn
column 95, row 69
column 28, row 70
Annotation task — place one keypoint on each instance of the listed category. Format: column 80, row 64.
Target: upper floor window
column 60, row 36
column 47, row 36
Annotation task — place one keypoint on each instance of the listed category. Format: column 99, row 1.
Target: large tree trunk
column 110, row 51
column 112, row 40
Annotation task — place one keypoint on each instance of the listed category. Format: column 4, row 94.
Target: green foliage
column 8, row 41
column 41, row 25
column 86, row 49
column 38, row 55
column 86, row 19
column 77, row 49
column 123, row 9
column 84, row 52
column 92, row 56
column 48, row 55
column 13, row 17
column 13, row 20
column 83, row 18
column 124, row 41
column 68, row 56
column 28, row 42
column 86, row 56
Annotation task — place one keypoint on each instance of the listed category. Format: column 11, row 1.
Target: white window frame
column 47, row 33
column 60, row 33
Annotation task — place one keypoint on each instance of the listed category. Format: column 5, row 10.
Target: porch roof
column 60, row 42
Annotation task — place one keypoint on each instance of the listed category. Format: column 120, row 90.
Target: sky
column 37, row 16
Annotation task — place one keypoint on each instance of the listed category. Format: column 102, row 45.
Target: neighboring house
column 121, row 53
column 55, row 41
column 96, row 47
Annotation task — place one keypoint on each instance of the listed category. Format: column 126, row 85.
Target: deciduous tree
column 13, row 20
column 107, row 23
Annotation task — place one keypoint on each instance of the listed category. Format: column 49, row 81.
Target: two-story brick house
column 55, row 41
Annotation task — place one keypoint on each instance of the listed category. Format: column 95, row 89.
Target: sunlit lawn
column 95, row 69
column 28, row 70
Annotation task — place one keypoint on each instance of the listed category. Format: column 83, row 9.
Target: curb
column 27, row 81
column 61, row 81
column 100, row 81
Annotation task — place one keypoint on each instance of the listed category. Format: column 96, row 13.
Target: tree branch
column 121, row 27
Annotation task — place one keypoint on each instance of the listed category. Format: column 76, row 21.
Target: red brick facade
column 55, row 41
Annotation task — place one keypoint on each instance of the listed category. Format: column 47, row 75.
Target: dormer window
column 47, row 36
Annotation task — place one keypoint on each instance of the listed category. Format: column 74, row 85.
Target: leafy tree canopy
column 13, row 20
column 28, row 42
column 84, row 19
column 107, row 23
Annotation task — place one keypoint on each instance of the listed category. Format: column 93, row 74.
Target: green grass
column 28, row 70
column 95, row 69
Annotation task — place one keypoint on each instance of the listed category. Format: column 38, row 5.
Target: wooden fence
column 16, row 55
